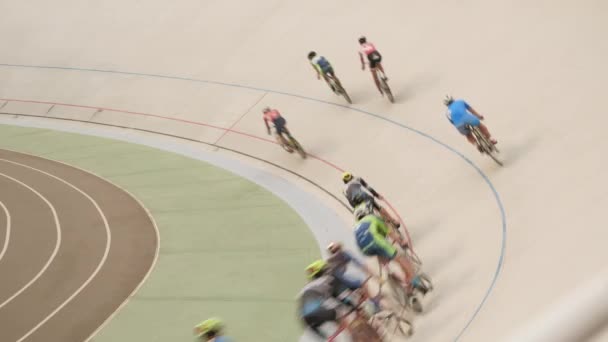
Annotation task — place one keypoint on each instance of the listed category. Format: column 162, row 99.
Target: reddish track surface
column 77, row 248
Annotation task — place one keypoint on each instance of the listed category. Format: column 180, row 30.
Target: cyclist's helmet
column 347, row 177
column 334, row 247
column 316, row 269
column 311, row 54
column 266, row 109
column 361, row 211
column 211, row 326
column 362, row 40
column 448, row 100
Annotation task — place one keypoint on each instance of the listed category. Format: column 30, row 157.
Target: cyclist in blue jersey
column 461, row 114
column 323, row 68
column 211, row 330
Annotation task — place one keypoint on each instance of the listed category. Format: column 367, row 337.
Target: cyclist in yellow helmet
column 211, row 330
column 318, row 300
column 357, row 191
column 338, row 261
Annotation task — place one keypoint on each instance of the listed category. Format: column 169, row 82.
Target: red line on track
column 226, row 130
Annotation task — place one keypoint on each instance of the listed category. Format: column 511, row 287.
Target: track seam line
column 229, row 129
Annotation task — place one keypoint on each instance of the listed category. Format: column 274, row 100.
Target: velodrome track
column 497, row 241
column 56, row 217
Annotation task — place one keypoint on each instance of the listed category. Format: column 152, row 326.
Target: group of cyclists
column 459, row 112
column 375, row 230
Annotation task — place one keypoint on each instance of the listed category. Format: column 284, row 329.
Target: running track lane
column 85, row 273
column 373, row 115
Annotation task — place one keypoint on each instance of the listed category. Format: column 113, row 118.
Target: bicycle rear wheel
column 387, row 90
column 342, row 91
column 298, row 147
column 487, row 147
column 384, row 85
column 285, row 144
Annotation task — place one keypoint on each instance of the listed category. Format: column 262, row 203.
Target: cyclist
column 371, row 233
column 323, row 68
column 461, row 114
column 273, row 116
column 355, row 192
column 321, row 297
column 374, row 58
column 338, row 261
column 211, row 330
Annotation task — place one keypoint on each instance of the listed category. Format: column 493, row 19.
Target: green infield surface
column 228, row 247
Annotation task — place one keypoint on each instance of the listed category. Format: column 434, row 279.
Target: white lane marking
column 99, row 265
column 57, row 243
column 156, row 252
column 8, row 230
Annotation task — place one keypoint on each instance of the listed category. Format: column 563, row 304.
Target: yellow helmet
column 315, row 268
column 211, row 325
column 346, row 177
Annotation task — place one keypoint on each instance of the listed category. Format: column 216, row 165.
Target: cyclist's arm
column 362, row 61
column 473, row 111
column 373, row 192
column 316, row 67
column 448, row 115
column 267, row 126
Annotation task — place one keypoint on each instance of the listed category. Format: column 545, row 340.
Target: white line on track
column 156, row 231
column 57, row 243
column 101, row 263
column 8, row 230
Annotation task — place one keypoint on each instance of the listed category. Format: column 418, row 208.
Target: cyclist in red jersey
column 368, row 50
column 273, row 116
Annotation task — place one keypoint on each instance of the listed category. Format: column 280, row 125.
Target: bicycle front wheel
column 343, row 92
column 298, row 147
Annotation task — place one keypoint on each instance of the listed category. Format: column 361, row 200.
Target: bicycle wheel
column 342, row 91
column 285, row 145
column 392, row 323
column 487, row 147
column 298, row 147
column 387, row 90
column 397, row 290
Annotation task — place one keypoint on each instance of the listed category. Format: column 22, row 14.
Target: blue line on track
column 451, row 149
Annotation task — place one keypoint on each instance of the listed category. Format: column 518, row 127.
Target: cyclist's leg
column 376, row 79
column 279, row 125
column 316, row 319
column 329, row 74
column 353, row 283
column 372, row 67
column 484, row 130
column 378, row 62
column 462, row 128
column 379, row 65
column 387, row 251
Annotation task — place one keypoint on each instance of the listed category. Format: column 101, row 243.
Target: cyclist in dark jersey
column 318, row 301
column 357, row 191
